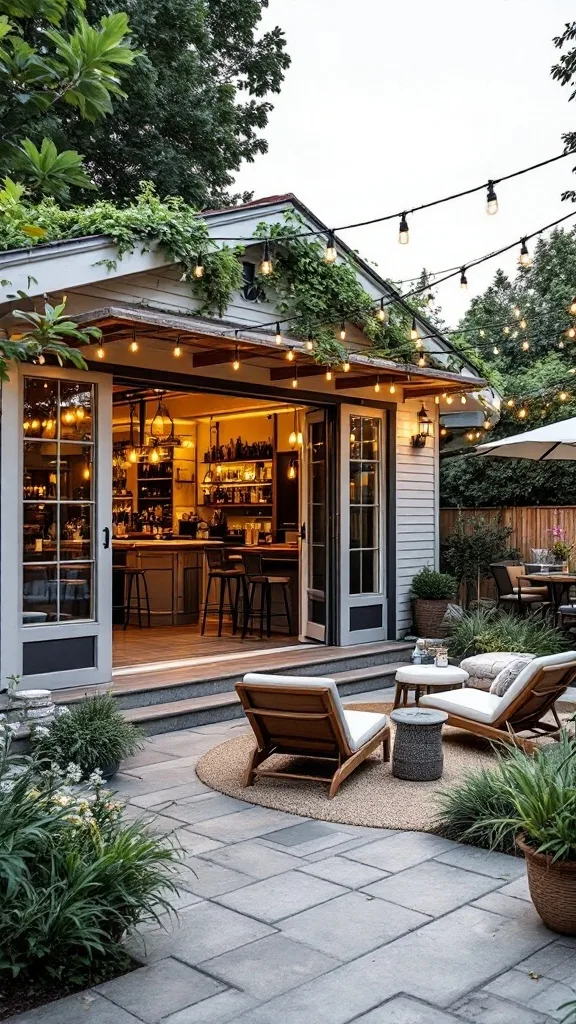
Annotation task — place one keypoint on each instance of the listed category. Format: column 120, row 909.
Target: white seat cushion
column 470, row 703
column 362, row 725
column 422, row 675
column 314, row 683
column 531, row 669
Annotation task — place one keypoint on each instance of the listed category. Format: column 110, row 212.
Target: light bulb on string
column 463, row 279
column 392, row 389
column 292, row 470
column 463, row 399
column 506, row 330
column 346, row 365
column 486, row 424
column 429, row 299
column 522, row 413
column 491, row 200
column 290, row 355
column 330, row 253
column 470, row 436
column 377, row 384
column 403, row 232
column 563, row 396
column 482, row 332
column 422, row 361
column 523, row 324
column 517, row 312
column 177, row 351
column 572, row 307
column 437, row 400
column 496, row 350
column 525, row 345
column 133, row 343
column 100, row 351
column 510, row 403
column 265, row 265
column 382, row 313
column 560, row 343
column 328, row 374
column 413, row 330
column 154, row 457
column 310, row 343
column 278, row 334
column 295, row 378
column 198, row 271
column 236, row 363
column 449, row 400
column 514, row 334
column 571, row 332
column 342, row 331
column 443, row 432
column 524, row 259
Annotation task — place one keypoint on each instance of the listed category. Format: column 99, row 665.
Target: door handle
column 106, row 532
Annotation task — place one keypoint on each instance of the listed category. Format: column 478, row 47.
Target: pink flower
column 557, row 532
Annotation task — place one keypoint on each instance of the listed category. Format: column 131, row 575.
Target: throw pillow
column 506, row 677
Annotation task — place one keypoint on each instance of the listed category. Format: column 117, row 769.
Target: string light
column 524, row 259
column 295, row 378
column 403, row 232
column 199, row 267
column 482, row 332
column 133, row 456
column 496, row 350
column 463, row 279
column 265, row 265
column 560, row 343
column 133, row 343
column 437, row 400
column 154, row 456
column 377, row 384
column 330, row 253
column 421, row 361
column 443, row 432
column 510, row 403
column 292, row 470
column 517, row 312
column 525, row 345
column 413, row 330
column 487, row 425
column 571, row 332
column 278, row 334
column 177, row 349
column 382, row 314
column 236, row 363
column 491, row 200
column 392, row 389
column 100, row 351
column 310, row 343
column 522, row 413
column 342, row 331
column 572, row 307
column 463, row 399
column 563, row 396
column 506, row 330
column 290, row 355
column 346, row 366
column 523, row 324
column 328, row 374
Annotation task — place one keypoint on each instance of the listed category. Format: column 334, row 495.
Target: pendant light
column 293, row 436
column 236, row 363
column 292, row 471
column 330, row 253
column 134, row 344
column 278, row 337
column 413, row 330
column 403, row 232
column 343, row 331
column 524, row 259
column 382, row 313
column 177, row 348
column 310, row 343
column 491, row 200
column 265, row 266
column 100, row 351
column 162, row 425
column 463, row 279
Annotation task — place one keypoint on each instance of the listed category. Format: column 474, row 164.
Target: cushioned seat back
column 541, row 689
column 514, row 571
column 295, row 714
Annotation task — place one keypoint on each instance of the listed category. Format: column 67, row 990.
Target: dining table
column 558, row 584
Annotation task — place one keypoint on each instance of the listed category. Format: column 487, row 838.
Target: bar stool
column 219, row 569
column 256, row 577
column 132, row 575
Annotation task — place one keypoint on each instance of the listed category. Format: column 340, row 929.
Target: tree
column 41, row 334
column 195, row 103
column 533, row 307
column 52, row 60
column 468, row 552
column 565, row 73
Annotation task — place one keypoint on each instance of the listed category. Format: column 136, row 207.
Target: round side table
column 426, row 679
column 418, row 754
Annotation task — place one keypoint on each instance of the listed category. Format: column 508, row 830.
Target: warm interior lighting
column 133, row 456
column 292, row 472
column 154, row 457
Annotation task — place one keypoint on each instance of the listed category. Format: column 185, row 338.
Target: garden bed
column 20, row 995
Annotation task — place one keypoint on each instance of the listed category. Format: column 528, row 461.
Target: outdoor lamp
column 425, row 429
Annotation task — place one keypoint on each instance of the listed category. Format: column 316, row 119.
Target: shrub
column 433, row 586
column 485, row 630
column 479, row 796
column 93, row 735
column 469, row 550
column 74, row 878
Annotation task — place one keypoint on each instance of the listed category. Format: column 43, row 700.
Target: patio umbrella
column 555, row 441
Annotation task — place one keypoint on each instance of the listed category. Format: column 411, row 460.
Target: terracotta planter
column 428, row 616
column 552, row 888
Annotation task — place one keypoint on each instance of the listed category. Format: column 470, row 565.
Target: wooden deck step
column 219, row 707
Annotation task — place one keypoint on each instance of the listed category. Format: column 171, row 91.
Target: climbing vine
column 169, row 223
column 319, row 295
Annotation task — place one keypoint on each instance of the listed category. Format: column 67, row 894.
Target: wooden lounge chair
column 303, row 717
column 522, row 708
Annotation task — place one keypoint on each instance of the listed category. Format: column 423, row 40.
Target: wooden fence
column 530, row 524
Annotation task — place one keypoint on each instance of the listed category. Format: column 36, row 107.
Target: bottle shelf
column 229, row 504
column 234, row 462
column 239, row 483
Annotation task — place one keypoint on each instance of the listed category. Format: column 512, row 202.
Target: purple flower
column 557, row 532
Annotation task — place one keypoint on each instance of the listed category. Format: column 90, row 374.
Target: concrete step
column 139, row 691
column 218, row 707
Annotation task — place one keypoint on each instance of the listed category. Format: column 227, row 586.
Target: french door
column 56, row 501
column 363, row 611
column 315, row 535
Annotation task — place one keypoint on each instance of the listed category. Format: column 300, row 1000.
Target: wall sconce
column 425, row 429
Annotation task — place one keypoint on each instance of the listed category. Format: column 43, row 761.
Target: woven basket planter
column 428, row 616
column 552, row 888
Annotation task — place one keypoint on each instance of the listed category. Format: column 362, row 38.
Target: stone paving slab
column 508, row 906
column 351, row 925
column 432, row 888
column 401, row 850
column 485, row 862
column 201, row 807
column 281, row 896
column 85, row 1006
column 161, row 796
column 158, row 990
column 269, row 966
column 342, row 871
column 484, row 1008
column 254, row 859
column 404, row 1010
column 226, row 1006
column 246, row 824
column 206, row 879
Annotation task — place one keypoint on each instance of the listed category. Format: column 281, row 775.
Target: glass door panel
column 315, row 541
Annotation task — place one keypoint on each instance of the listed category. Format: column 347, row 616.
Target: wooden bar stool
column 257, row 577
column 219, row 569
column 133, row 576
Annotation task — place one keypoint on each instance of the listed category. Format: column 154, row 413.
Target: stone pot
column 552, row 888
column 110, row 769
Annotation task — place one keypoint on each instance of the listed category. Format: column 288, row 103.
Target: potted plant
column 561, row 548
column 431, row 593
column 541, row 793
column 93, row 735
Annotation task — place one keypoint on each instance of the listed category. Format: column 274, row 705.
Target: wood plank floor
column 177, row 643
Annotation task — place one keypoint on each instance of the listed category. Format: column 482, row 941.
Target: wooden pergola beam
column 286, row 372
column 214, row 356
column 343, row 383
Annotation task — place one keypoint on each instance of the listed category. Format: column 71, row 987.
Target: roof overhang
column 211, row 343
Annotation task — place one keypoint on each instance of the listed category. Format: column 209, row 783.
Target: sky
column 388, row 105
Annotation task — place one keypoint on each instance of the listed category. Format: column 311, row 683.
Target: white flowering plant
column 75, row 876
column 94, row 735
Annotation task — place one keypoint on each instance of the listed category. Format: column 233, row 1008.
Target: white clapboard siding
column 416, row 507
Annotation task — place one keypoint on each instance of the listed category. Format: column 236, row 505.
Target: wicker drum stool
column 418, row 754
